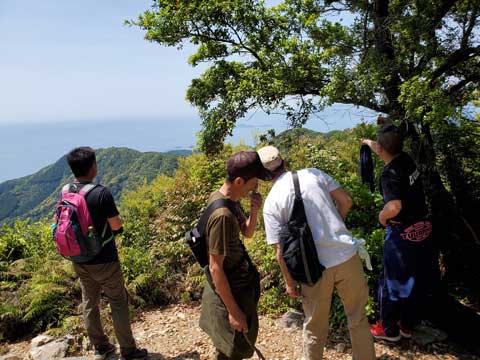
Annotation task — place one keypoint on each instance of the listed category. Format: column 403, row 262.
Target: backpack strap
column 298, row 206
column 296, row 185
column 299, row 214
column 83, row 191
column 217, row 204
column 86, row 189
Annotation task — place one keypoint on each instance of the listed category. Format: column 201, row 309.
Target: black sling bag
column 195, row 238
column 296, row 242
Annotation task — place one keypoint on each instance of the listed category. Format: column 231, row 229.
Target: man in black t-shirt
column 409, row 262
column 103, row 272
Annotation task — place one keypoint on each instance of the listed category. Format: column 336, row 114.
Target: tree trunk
column 458, row 252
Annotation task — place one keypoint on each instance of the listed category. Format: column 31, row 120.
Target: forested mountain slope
column 118, row 168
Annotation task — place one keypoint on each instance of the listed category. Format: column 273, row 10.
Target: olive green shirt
column 223, row 233
column 223, row 238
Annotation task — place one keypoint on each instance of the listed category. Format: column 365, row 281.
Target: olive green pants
column 109, row 278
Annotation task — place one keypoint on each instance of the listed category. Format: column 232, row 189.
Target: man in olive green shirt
column 230, row 297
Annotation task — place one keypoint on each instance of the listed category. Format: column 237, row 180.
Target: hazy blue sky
column 71, row 62
column 65, row 60
column 75, row 60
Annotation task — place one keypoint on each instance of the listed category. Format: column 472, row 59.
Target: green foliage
column 157, row 217
column 417, row 61
column 161, row 212
column 23, row 240
column 37, row 288
column 139, row 208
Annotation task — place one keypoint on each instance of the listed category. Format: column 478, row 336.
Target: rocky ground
column 172, row 333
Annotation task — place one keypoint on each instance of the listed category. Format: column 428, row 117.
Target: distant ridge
column 119, row 169
column 181, row 152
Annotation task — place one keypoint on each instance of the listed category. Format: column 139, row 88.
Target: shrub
column 38, row 289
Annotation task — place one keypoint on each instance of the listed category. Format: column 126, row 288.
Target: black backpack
column 296, row 242
column 195, row 238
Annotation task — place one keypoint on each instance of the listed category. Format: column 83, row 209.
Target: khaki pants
column 349, row 280
column 109, row 278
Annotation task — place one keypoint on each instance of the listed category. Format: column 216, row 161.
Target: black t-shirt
column 101, row 206
column 400, row 180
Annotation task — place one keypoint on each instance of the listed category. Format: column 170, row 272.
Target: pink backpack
column 73, row 231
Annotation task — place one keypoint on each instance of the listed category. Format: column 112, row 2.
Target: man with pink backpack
column 86, row 222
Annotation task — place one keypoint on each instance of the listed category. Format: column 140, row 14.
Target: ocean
column 26, row 148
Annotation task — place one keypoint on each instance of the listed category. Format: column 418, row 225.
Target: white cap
column 270, row 157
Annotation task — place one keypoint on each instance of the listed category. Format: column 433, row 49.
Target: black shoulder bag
column 297, row 245
column 195, row 238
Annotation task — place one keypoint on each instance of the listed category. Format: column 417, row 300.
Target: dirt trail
column 172, row 333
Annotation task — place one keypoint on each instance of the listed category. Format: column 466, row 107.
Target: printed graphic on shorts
column 418, row 231
column 413, row 177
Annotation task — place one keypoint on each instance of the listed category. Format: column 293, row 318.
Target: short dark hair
column 390, row 139
column 246, row 165
column 81, row 160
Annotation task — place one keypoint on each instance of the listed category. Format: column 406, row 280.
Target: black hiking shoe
column 135, row 354
column 102, row 352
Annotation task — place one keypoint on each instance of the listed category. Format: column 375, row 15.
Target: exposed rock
column 292, row 319
column 10, row 357
column 41, row 340
column 424, row 334
column 340, row 347
column 70, row 339
column 53, row 350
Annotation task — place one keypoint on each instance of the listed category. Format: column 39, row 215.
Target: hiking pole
column 257, row 351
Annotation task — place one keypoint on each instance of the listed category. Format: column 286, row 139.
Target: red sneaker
column 378, row 332
column 405, row 332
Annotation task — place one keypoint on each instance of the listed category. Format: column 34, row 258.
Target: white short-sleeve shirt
column 334, row 243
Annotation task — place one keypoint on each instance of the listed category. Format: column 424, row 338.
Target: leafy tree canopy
column 413, row 60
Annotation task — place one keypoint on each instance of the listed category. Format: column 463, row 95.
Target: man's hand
column 292, row 289
column 389, row 211
column 385, row 221
column 255, row 201
column 248, row 228
column 238, row 321
column 382, row 219
column 290, row 284
column 372, row 144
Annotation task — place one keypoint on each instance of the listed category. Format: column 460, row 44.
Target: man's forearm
column 389, row 211
column 290, row 283
column 343, row 210
column 222, row 288
column 343, row 201
column 372, row 144
column 283, row 267
column 250, row 225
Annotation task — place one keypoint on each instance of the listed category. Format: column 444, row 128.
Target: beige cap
column 247, row 165
column 270, row 157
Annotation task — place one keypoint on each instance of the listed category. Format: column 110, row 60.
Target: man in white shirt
column 326, row 205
